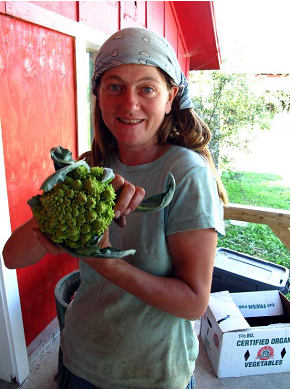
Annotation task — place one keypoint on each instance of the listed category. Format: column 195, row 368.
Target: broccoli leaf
column 159, row 201
column 64, row 163
column 60, row 175
column 95, row 251
column 61, row 157
column 92, row 250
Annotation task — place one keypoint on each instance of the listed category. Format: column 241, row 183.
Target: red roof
column 198, row 27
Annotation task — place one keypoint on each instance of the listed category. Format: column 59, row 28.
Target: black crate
column 238, row 272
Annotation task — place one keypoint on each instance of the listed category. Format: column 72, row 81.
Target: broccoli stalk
column 76, row 206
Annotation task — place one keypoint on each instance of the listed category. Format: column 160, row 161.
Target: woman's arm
column 26, row 245
column 186, row 293
column 23, row 248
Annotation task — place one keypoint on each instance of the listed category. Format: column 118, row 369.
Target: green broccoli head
column 77, row 209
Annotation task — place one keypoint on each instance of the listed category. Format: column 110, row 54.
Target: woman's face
column 134, row 100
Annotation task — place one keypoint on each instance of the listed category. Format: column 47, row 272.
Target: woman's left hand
column 129, row 198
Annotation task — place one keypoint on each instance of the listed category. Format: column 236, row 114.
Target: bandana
column 141, row 46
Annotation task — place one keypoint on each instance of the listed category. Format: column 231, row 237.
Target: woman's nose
column 130, row 101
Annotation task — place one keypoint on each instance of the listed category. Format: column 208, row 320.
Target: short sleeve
column 196, row 204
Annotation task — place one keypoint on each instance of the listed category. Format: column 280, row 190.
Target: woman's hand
column 129, row 198
column 23, row 248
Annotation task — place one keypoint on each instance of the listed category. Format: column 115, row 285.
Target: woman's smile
column 130, row 121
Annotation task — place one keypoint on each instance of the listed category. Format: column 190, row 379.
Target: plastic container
column 238, row 272
column 64, row 292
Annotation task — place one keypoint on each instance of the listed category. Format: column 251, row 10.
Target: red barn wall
column 105, row 17
column 38, row 111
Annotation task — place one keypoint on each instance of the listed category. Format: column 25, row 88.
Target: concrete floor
column 43, row 358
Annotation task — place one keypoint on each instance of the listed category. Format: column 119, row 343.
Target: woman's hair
column 179, row 127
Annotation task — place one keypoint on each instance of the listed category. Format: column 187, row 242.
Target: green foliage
column 276, row 102
column 228, row 103
column 258, row 240
column 255, row 240
column 256, row 189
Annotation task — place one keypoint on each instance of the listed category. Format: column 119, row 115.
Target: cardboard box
column 247, row 333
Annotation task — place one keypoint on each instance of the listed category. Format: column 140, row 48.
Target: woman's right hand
column 129, row 198
column 23, row 247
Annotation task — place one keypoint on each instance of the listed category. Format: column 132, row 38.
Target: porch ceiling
column 198, row 27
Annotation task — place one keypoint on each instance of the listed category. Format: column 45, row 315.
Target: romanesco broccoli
column 76, row 206
column 77, row 209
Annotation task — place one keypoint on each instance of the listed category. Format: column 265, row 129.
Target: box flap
column 259, row 303
column 227, row 315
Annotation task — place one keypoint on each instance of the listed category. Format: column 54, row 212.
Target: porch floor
column 43, row 358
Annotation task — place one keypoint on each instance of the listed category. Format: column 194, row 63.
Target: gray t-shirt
column 113, row 339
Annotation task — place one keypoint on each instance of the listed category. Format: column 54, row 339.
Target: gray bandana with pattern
column 141, row 46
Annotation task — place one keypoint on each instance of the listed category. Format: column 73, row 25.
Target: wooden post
column 278, row 220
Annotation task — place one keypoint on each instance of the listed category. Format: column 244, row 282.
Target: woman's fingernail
column 117, row 214
column 127, row 212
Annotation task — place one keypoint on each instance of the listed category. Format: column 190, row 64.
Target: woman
column 129, row 325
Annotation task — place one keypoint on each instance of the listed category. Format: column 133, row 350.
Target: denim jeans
column 68, row 380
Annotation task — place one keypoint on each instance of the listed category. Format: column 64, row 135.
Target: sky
column 255, row 36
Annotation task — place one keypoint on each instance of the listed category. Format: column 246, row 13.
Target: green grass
column 264, row 190
column 256, row 189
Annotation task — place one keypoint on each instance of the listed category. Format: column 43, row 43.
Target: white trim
column 81, row 94
column 13, row 357
column 33, row 13
column 82, row 72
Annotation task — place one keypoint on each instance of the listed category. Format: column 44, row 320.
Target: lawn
column 256, row 189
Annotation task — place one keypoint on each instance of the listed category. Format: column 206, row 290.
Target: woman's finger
column 121, row 221
column 129, row 199
column 118, row 182
column 129, row 196
column 136, row 200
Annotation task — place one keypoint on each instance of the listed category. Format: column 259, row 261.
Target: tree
column 230, row 106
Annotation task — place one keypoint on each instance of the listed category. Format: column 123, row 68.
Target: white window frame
column 82, row 46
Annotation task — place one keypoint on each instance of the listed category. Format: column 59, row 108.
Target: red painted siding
column 2, row 6
column 101, row 15
column 171, row 33
column 69, row 9
column 37, row 110
column 133, row 14
column 155, row 16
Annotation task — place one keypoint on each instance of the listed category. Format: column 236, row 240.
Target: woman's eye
column 114, row 87
column 148, row 90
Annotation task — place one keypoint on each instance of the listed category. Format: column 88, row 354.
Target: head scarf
column 141, row 46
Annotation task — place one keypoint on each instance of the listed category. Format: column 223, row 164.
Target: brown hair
column 179, row 127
